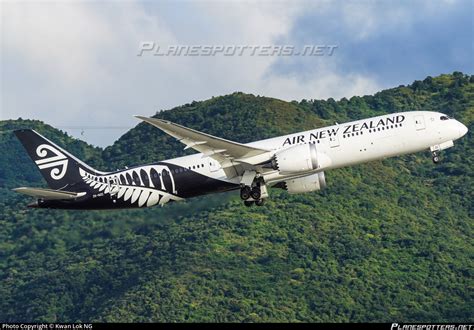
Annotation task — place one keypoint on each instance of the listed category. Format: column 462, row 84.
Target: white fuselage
column 351, row 143
column 295, row 162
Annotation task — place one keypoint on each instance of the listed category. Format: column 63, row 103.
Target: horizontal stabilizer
column 48, row 194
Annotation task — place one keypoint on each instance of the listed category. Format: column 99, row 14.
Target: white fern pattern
column 144, row 185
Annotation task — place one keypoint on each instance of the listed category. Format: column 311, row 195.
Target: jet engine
column 305, row 184
column 300, row 158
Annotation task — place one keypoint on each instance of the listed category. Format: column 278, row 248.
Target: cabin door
column 334, row 141
column 420, row 122
column 113, row 186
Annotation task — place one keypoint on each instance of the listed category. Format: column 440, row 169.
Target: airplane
column 295, row 162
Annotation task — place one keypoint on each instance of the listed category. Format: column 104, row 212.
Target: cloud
column 386, row 42
column 53, row 39
column 76, row 64
column 68, row 63
column 333, row 85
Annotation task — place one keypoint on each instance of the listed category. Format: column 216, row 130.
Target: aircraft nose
column 462, row 129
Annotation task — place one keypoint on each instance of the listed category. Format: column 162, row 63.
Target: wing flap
column 48, row 194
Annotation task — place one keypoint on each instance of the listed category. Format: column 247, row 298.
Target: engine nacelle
column 305, row 184
column 300, row 158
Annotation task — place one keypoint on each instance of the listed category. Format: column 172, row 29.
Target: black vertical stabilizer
column 59, row 168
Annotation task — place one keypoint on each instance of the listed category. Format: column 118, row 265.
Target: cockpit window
column 444, row 118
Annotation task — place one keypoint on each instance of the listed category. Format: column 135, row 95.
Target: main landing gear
column 245, row 192
column 258, row 202
column 435, row 155
column 254, row 195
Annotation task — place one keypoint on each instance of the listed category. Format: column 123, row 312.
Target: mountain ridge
column 388, row 240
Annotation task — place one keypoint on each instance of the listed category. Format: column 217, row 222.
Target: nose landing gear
column 436, row 149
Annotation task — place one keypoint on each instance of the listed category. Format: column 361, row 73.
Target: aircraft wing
column 222, row 150
column 48, row 194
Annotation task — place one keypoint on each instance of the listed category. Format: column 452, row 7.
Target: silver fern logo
column 146, row 186
column 57, row 161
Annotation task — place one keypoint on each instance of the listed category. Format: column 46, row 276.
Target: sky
column 75, row 65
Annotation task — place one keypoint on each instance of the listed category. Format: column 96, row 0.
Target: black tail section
column 59, row 168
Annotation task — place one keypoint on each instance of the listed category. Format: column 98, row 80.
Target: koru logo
column 58, row 161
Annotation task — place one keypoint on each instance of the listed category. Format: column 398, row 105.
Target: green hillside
column 386, row 241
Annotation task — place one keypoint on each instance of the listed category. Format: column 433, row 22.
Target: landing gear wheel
column 255, row 193
column 260, row 202
column 436, row 159
column 245, row 193
column 248, row 203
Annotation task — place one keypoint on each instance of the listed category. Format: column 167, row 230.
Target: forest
column 387, row 241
